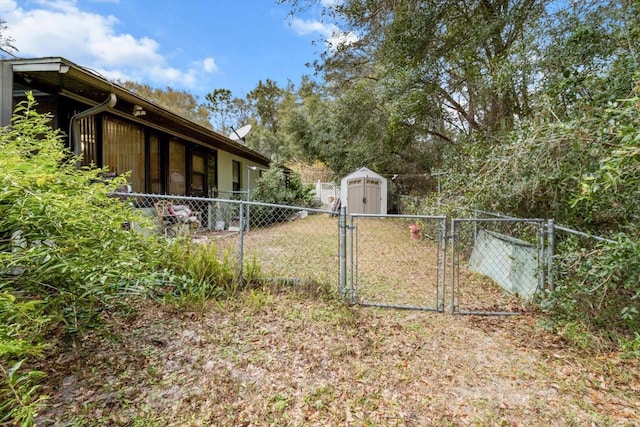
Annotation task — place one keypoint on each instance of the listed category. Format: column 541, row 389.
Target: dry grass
column 275, row 357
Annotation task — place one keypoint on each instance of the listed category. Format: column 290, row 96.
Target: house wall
column 225, row 173
column 108, row 133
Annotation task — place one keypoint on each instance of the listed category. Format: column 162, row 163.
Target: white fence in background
column 325, row 194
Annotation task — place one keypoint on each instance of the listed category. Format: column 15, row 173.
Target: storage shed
column 364, row 191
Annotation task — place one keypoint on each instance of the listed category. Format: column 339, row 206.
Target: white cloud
column 341, row 38
column 332, row 34
column 209, row 65
column 304, row 27
column 330, row 3
column 60, row 28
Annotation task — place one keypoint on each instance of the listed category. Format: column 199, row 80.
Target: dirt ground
column 286, row 359
column 296, row 357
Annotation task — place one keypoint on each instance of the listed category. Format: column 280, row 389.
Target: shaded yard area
column 283, row 359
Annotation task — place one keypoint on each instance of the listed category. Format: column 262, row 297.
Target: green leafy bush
column 21, row 327
column 63, row 238
column 598, row 288
column 278, row 187
column 195, row 272
column 601, row 287
column 64, row 254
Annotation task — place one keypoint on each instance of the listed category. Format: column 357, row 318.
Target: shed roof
column 363, row 171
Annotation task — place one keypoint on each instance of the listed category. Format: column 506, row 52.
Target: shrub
column 21, row 325
column 63, row 238
column 598, row 288
column 196, row 273
column 277, row 187
column 64, row 254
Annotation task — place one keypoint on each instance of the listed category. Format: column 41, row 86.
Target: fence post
column 241, row 244
column 443, row 238
column 551, row 248
column 343, row 250
column 452, row 236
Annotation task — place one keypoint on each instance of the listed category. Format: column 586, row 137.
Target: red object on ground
column 415, row 231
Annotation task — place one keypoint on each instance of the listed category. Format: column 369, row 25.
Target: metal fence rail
column 269, row 243
column 571, row 254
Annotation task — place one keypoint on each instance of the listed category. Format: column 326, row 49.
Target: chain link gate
column 497, row 264
column 397, row 261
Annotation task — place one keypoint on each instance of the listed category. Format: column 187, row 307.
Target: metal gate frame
column 351, row 288
column 447, row 258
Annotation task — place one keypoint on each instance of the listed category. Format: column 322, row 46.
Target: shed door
column 363, row 196
column 372, row 196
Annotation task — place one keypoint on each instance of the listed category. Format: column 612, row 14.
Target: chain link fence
column 590, row 279
column 269, row 243
column 488, row 264
column 572, row 251
column 497, row 264
column 398, row 261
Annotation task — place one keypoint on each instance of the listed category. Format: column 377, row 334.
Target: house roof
column 62, row 77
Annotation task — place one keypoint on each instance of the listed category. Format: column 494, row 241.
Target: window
column 197, row 174
column 212, row 175
column 88, row 145
column 236, row 176
column 177, row 167
column 154, row 165
column 123, row 150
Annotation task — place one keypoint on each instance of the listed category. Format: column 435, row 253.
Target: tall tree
column 590, row 54
column 228, row 111
column 266, row 99
column 219, row 103
column 453, row 59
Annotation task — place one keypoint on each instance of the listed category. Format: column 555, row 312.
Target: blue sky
column 193, row 45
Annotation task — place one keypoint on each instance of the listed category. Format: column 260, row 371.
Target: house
column 109, row 126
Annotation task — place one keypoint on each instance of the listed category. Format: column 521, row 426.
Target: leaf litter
column 289, row 360
column 295, row 357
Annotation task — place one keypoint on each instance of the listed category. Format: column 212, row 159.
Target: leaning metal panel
column 497, row 264
column 398, row 261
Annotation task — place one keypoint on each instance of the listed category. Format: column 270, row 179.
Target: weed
column 197, row 273
column 256, row 299
column 630, row 348
column 280, row 402
column 20, row 395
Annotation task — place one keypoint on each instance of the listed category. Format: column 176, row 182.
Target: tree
column 589, row 56
column 448, row 63
column 6, row 42
column 228, row 111
column 266, row 99
column 271, row 105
